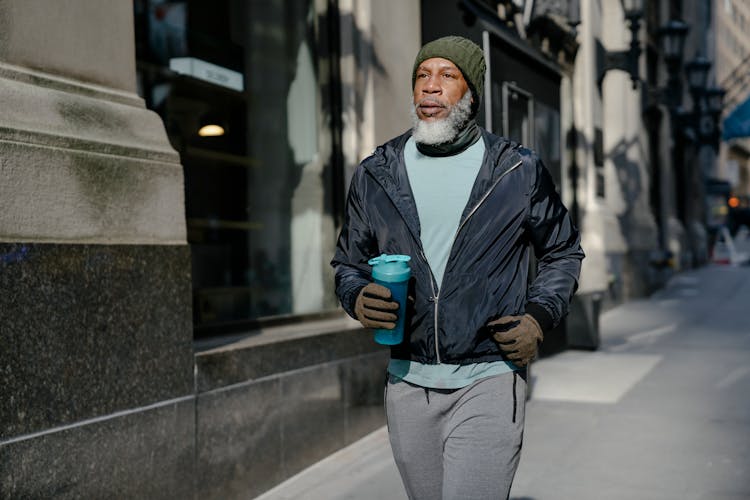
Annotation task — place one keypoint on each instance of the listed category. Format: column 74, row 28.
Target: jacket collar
column 388, row 168
column 388, row 159
column 499, row 156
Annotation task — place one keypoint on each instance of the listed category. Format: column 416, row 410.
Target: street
column 660, row 412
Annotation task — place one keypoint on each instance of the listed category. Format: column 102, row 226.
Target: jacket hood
column 385, row 155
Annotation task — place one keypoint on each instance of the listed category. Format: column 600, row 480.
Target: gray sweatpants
column 457, row 444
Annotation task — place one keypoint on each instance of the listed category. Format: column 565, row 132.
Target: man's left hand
column 519, row 337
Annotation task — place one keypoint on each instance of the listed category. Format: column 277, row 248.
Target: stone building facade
column 167, row 315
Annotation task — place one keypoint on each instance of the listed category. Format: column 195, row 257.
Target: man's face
column 438, row 86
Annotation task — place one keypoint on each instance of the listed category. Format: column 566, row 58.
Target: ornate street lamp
column 709, row 122
column 702, row 125
column 626, row 60
column 696, row 71
column 672, row 37
column 632, row 8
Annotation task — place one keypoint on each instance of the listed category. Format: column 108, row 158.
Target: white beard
column 444, row 130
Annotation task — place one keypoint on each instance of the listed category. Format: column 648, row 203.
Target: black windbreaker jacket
column 513, row 208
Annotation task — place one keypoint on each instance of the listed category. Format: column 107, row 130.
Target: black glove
column 375, row 308
column 519, row 337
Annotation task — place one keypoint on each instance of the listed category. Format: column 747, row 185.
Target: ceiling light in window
column 211, row 130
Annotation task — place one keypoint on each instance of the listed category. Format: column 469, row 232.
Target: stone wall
column 103, row 393
column 95, row 312
column 269, row 406
column 88, row 412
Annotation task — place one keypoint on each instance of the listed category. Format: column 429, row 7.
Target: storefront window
column 240, row 88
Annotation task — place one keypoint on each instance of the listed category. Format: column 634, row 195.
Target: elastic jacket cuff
column 350, row 301
column 540, row 314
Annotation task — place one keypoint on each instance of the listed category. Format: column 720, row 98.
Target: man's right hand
column 375, row 308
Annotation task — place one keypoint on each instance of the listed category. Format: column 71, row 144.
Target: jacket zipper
column 435, row 294
column 432, row 276
column 486, row 195
column 455, row 235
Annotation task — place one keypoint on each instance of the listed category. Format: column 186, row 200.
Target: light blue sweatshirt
column 441, row 188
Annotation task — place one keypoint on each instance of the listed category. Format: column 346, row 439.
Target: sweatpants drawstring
column 515, row 398
column 427, row 394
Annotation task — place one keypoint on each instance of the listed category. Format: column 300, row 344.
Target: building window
column 240, row 88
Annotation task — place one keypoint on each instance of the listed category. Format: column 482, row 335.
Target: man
column 469, row 208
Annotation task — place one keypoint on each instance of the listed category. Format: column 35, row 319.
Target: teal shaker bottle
column 392, row 271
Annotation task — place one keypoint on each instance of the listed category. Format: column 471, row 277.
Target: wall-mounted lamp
column 698, row 126
column 696, row 72
column 672, row 37
column 625, row 60
column 709, row 125
column 672, row 40
column 702, row 123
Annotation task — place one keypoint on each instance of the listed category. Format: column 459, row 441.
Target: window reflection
column 257, row 202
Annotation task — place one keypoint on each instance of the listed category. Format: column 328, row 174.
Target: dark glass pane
column 517, row 109
column 256, row 203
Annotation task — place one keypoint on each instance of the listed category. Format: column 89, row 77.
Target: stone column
column 96, row 361
column 626, row 159
column 596, row 217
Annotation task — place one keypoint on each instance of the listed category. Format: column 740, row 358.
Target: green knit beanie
column 464, row 53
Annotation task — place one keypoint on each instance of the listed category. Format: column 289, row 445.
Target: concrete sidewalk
column 659, row 412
